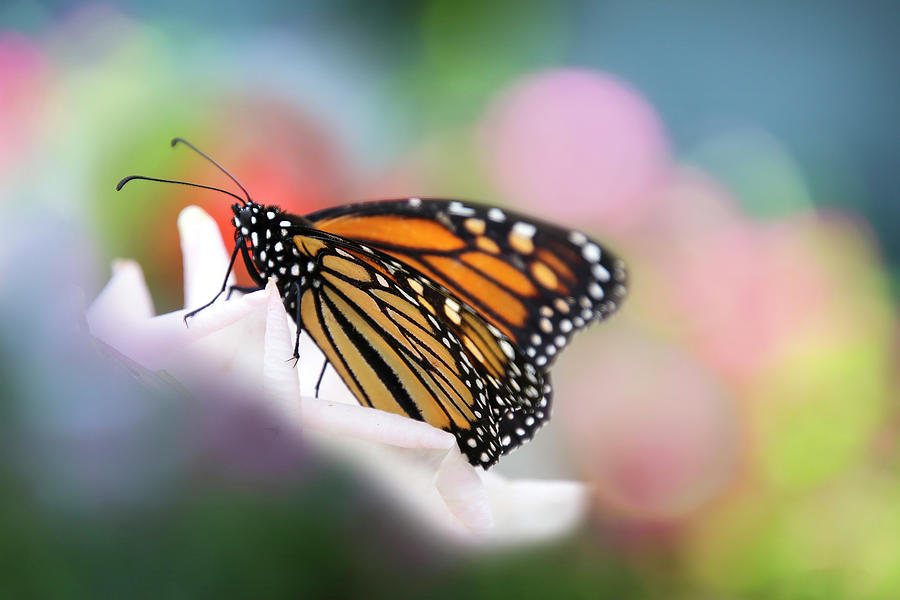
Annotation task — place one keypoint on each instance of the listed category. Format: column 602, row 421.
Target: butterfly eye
column 245, row 216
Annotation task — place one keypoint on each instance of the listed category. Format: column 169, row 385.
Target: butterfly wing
column 403, row 344
column 536, row 282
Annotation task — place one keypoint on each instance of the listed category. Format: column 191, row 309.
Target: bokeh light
column 580, row 142
column 735, row 426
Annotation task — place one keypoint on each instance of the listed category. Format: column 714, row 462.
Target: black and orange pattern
column 534, row 281
column 406, row 346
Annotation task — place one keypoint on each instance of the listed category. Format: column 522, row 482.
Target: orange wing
column 535, row 282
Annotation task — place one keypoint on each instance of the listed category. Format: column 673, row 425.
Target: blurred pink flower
column 740, row 293
column 733, row 289
column 686, row 204
column 657, row 435
column 24, row 75
column 578, row 144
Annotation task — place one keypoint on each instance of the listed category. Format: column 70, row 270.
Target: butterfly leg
column 296, row 356
column 321, row 375
column 248, row 262
column 244, row 289
column 234, row 254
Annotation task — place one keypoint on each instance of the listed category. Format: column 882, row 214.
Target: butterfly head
column 267, row 233
column 255, row 223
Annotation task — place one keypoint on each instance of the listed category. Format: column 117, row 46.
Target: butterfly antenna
column 178, row 140
column 122, row 183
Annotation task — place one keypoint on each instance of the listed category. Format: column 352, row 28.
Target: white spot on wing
column 577, row 238
column 458, row 208
column 591, row 252
column 600, row 272
column 524, row 229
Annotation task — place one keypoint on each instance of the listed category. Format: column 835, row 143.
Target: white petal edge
column 530, row 510
column 204, row 256
column 153, row 341
column 373, row 425
column 461, row 493
column 124, row 301
column 281, row 387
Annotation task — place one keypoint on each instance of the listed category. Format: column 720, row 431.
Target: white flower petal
column 124, row 301
column 281, row 388
column 461, row 503
column 465, row 494
column 204, row 254
column 216, row 316
column 233, row 349
column 154, row 342
column 373, row 425
column 530, row 510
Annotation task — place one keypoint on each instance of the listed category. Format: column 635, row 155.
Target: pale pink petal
column 153, row 342
column 234, row 347
column 437, row 465
column 465, row 495
column 205, row 257
column 373, row 425
column 528, row 509
column 123, row 302
column 281, row 388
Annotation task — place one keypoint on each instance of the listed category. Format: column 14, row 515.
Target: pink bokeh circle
column 24, row 83
column 577, row 143
column 655, row 432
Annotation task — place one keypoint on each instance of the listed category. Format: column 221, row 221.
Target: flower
column 579, row 142
column 246, row 341
column 24, row 79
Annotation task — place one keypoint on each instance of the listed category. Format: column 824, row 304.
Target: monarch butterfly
column 444, row 311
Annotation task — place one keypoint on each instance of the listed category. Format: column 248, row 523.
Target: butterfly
column 444, row 311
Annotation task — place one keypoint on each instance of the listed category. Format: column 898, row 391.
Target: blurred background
column 737, row 420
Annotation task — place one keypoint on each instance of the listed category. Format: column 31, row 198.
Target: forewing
column 536, row 282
